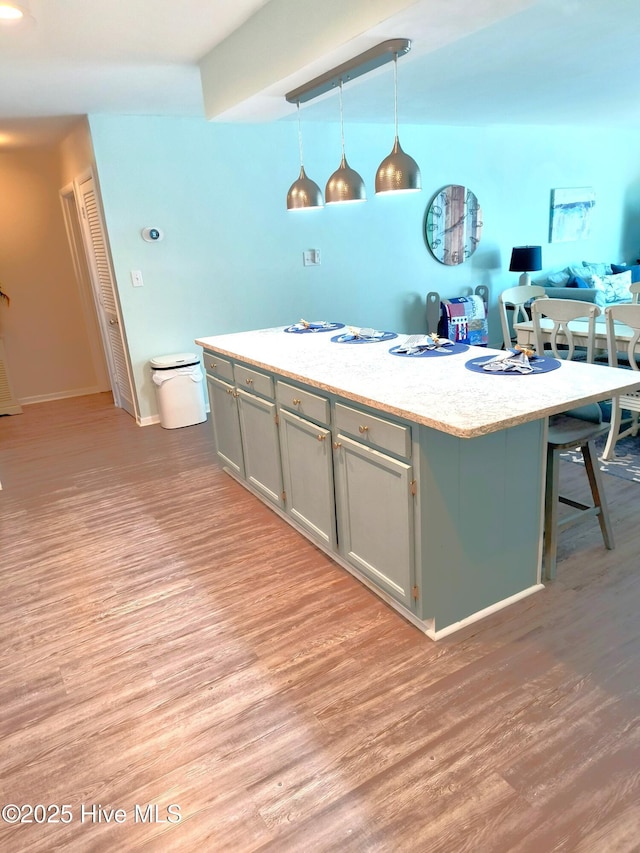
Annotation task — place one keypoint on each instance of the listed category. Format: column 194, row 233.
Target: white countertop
column 438, row 392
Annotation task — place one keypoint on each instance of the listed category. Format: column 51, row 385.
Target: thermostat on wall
column 152, row 235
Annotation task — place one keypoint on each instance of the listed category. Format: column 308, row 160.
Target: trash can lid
column 178, row 359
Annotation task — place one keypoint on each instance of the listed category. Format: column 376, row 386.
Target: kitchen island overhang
column 473, row 441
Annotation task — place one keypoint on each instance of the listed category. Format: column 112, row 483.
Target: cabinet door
column 261, row 445
column 226, row 424
column 307, row 466
column 376, row 517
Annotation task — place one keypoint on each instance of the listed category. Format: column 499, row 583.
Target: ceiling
column 472, row 62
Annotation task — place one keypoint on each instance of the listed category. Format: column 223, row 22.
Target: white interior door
column 102, row 279
column 72, row 223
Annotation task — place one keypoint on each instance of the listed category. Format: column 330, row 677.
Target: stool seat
column 565, row 433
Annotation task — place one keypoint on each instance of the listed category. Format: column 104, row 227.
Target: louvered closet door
column 104, row 289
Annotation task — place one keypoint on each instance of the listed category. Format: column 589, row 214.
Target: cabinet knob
column 321, row 437
column 213, row 365
column 363, row 429
column 337, row 444
column 229, row 390
column 296, row 402
column 249, row 381
column 235, row 393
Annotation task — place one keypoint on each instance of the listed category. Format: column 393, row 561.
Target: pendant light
column 304, row 194
column 345, row 184
column 398, row 173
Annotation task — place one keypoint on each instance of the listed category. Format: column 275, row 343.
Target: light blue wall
column 231, row 258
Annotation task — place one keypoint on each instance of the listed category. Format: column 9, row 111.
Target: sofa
column 601, row 283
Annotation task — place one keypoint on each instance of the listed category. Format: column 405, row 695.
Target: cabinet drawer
column 218, row 366
column 253, row 380
column 372, row 430
column 303, row 402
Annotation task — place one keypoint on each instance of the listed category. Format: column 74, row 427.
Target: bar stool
column 576, row 429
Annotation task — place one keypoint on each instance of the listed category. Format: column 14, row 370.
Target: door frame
column 90, row 311
column 118, row 363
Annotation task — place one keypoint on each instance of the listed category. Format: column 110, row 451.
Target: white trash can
column 178, row 381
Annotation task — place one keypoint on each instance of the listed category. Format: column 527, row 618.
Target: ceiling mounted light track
column 371, row 59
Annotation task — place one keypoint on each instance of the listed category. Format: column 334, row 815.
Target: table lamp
column 526, row 259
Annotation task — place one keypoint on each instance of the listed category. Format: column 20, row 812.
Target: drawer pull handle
column 249, row 381
column 296, row 402
column 363, row 429
column 321, row 437
column 337, row 444
column 213, row 365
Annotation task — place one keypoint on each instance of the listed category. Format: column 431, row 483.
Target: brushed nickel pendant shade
column 303, row 193
column 398, row 173
column 345, row 184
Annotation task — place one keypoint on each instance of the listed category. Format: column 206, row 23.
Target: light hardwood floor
column 167, row 639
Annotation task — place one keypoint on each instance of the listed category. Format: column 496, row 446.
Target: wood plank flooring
column 167, row 639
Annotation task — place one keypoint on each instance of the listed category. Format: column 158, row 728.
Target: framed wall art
column 571, row 214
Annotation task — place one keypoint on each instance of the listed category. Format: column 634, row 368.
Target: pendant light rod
column 395, row 92
column 300, row 137
column 386, row 51
column 341, row 121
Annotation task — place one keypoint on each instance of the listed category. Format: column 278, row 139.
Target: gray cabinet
column 307, row 463
column 260, row 444
column 375, row 502
column 245, row 425
column 307, row 467
column 226, row 424
column 342, row 475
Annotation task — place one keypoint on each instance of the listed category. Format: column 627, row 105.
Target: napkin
column 512, row 362
column 419, row 343
column 305, row 324
column 362, row 334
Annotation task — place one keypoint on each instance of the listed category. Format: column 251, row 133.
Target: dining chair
column 628, row 314
column 575, row 429
column 516, row 298
column 562, row 312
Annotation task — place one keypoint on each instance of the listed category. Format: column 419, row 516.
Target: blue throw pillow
column 577, row 281
column 616, row 269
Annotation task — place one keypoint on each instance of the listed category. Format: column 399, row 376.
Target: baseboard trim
column 152, row 419
column 60, row 395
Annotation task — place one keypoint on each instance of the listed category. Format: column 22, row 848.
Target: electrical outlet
column 311, row 257
column 136, row 278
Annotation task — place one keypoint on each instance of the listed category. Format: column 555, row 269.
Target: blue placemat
column 540, row 365
column 352, row 339
column 297, row 329
column 451, row 350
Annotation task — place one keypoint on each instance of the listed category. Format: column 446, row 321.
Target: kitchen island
column 422, row 478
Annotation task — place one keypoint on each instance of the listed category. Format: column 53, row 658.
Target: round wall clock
column 453, row 224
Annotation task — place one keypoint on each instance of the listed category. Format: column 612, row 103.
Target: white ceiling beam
column 283, row 38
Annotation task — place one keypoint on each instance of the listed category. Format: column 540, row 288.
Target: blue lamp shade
column 526, row 259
